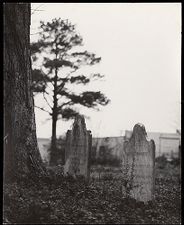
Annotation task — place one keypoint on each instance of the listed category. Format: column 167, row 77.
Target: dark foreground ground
column 67, row 201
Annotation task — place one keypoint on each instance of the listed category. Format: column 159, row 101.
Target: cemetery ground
column 65, row 200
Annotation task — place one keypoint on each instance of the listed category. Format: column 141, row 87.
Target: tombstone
column 78, row 148
column 138, row 165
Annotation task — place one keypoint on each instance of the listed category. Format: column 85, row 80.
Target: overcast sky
column 140, row 47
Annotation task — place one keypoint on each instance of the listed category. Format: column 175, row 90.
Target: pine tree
column 60, row 66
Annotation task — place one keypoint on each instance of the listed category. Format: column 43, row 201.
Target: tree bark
column 21, row 153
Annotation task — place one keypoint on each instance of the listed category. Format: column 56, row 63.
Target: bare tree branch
column 34, row 10
column 46, row 100
column 43, row 109
column 48, row 95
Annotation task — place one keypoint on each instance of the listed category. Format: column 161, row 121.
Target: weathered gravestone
column 138, row 165
column 78, row 148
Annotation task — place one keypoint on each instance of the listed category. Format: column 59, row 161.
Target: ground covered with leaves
column 64, row 200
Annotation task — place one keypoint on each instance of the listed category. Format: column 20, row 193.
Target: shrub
column 103, row 161
column 175, row 162
column 161, row 161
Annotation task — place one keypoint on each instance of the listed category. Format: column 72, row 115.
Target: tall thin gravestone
column 138, row 163
column 78, row 147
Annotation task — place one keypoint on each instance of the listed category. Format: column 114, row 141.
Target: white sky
column 140, row 46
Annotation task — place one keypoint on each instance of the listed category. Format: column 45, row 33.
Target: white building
column 166, row 143
column 107, row 145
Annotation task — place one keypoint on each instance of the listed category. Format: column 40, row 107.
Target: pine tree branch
column 43, row 109
column 61, row 86
column 66, row 103
column 58, row 43
column 66, row 78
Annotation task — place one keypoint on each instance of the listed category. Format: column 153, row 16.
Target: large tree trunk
column 21, row 154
